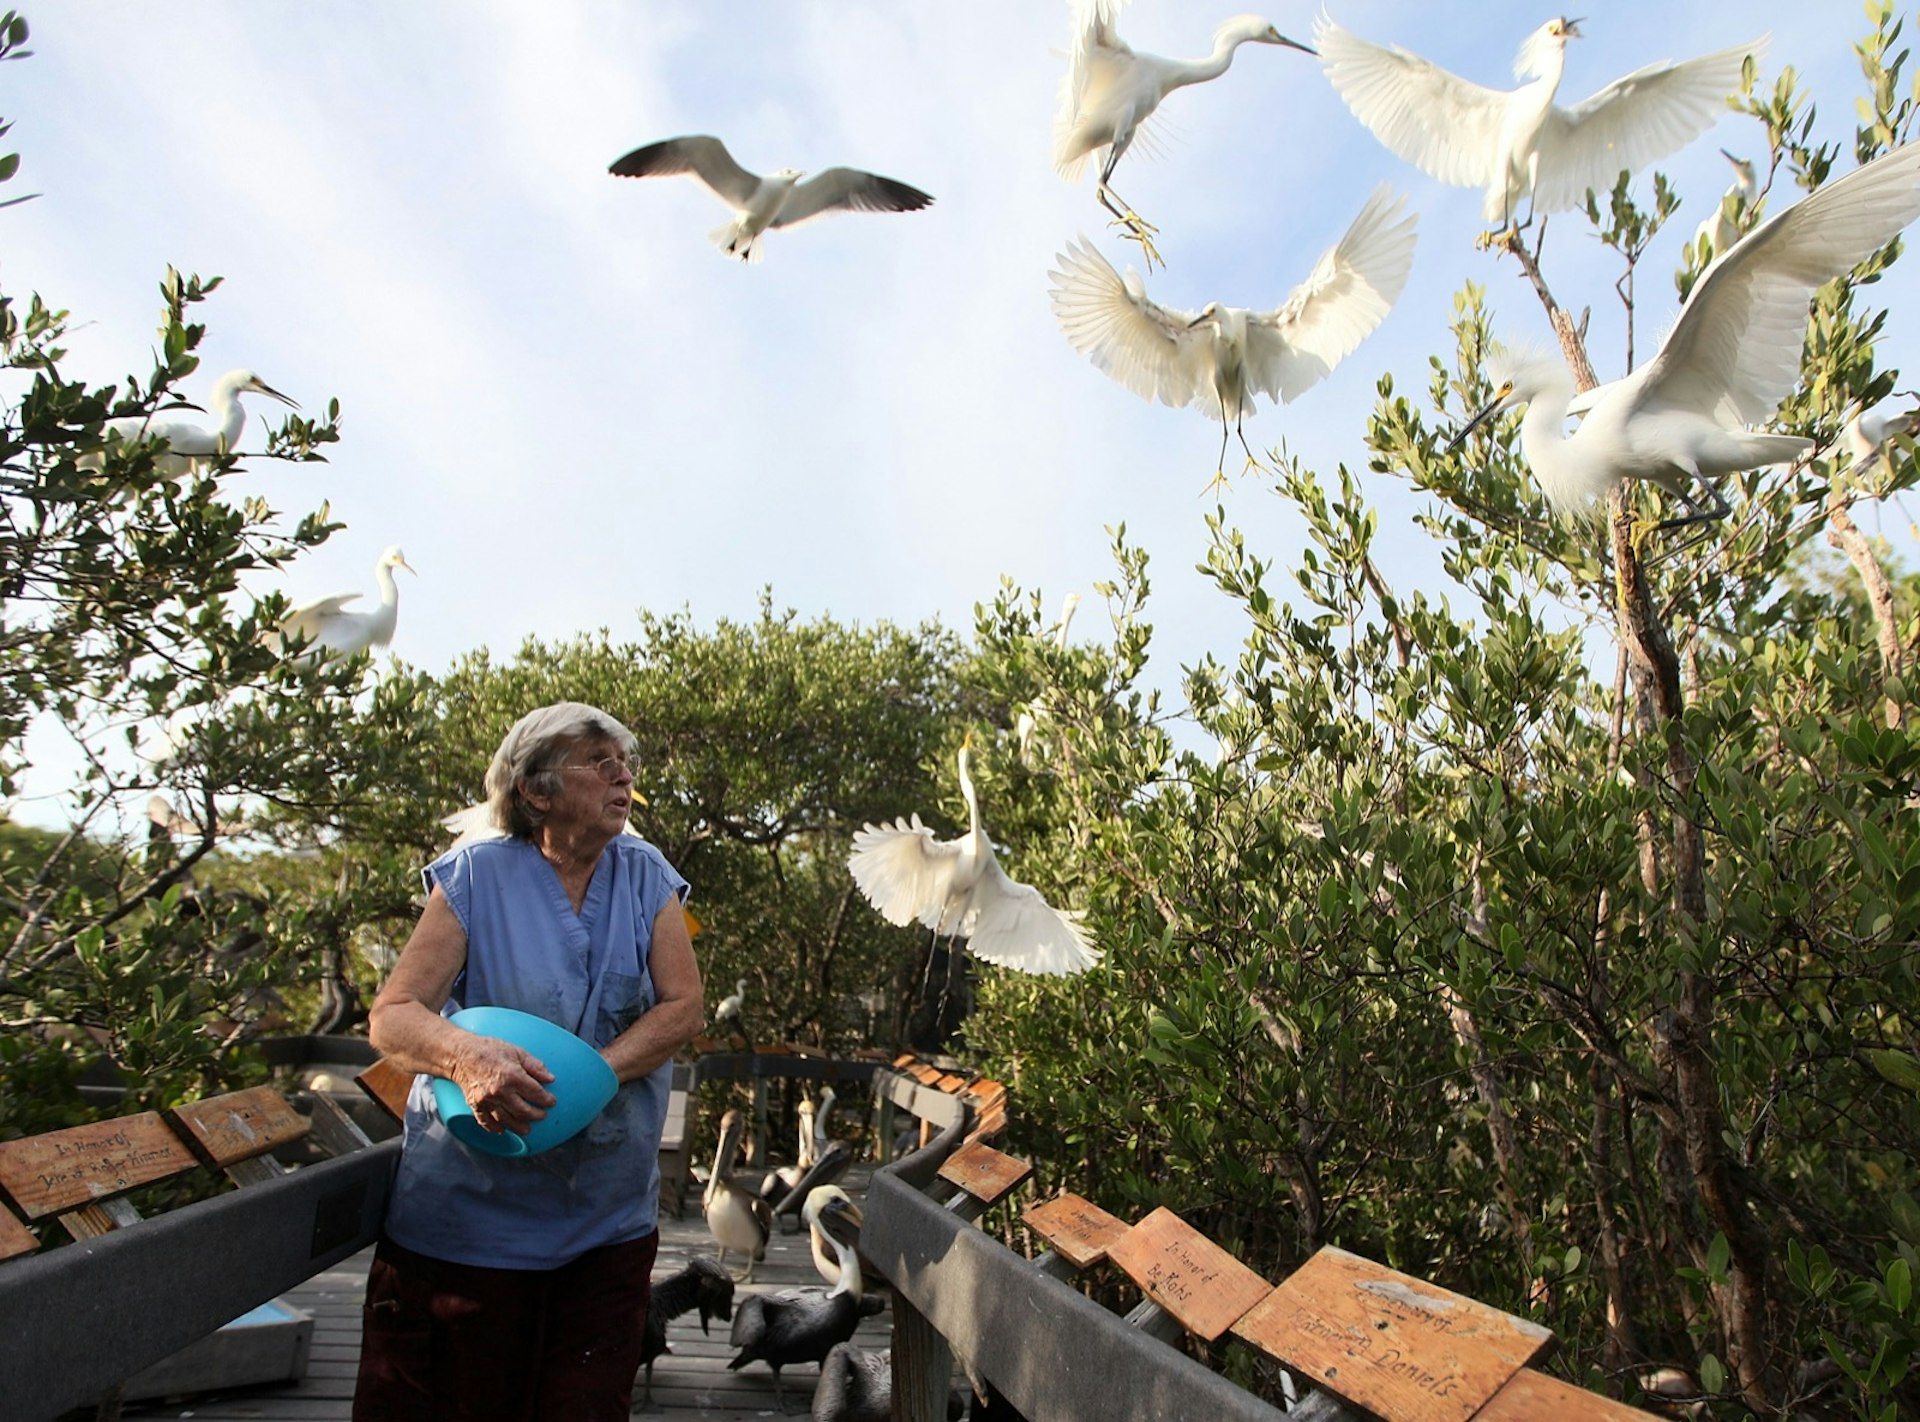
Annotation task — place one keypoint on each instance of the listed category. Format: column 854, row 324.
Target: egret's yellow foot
column 1216, row 485
column 1137, row 229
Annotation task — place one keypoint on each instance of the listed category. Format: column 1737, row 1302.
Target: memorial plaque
column 984, row 1172
column 64, row 1169
column 1187, row 1274
column 1532, row 1395
column 388, row 1085
column 1391, row 1343
column 15, row 1238
column 228, row 1129
column 1079, row 1231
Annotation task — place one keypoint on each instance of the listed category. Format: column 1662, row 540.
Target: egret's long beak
column 1492, row 408
column 966, row 741
column 402, row 562
column 1729, row 157
column 263, row 388
column 1573, row 27
column 1279, row 38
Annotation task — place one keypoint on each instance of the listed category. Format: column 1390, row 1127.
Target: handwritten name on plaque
column 65, row 1169
column 1187, row 1274
column 1079, row 1231
column 1391, row 1343
column 236, row 1127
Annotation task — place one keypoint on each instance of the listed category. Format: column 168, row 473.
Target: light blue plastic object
column 582, row 1083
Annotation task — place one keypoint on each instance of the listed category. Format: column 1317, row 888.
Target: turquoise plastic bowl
column 582, row 1083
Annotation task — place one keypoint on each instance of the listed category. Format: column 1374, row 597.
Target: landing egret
column 1217, row 360
column 1732, row 215
column 1728, row 360
column 778, row 200
column 1110, row 91
column 337, row 633
column 1518, row 143
column 957, row 887
column 191, row 446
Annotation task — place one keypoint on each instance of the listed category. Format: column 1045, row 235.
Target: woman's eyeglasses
column 608, row 767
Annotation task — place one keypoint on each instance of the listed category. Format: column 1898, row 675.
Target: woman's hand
column 504, row 1084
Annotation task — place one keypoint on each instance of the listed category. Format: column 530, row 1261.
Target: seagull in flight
column 781, row 199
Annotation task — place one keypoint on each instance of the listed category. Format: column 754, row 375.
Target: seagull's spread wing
column 904, row 871
column 1145, row 347
column 1009, row 923
column 848, row 190
column 705, row 157
column 1735, row 349
column 1437, row 121
column 1633, row 122
column 1352, row 287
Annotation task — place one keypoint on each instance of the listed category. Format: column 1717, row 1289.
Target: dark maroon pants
column 467, row 1344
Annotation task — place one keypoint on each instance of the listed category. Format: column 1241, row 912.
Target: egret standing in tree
column 1110, row 91
column 1215, row 361
column 190, row 446
column 334, row 634
column 1517, row 143
column 779, row 200
column 1728, row 360
column 957, row 887
column 1732, row 215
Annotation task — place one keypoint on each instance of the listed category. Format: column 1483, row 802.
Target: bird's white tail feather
column 728, row 239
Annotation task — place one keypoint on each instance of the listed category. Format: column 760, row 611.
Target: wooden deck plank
column 692, row 1380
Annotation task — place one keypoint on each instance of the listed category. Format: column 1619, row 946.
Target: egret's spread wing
column 1632, row 122
column 310, row 619
column 1352, row 287
column 1009, row 923
column 1437, row 121
column 1735, row 348
column 1093, row 31
column 1145, row 347
column 848, row 189
column 705, row 157
column 472, row 824
column 904, row 871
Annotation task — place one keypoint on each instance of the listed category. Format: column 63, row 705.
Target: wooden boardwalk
column 690, row 1381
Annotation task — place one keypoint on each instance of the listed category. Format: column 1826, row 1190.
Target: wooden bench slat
column 388, row 1085
column 82, row 1165
column 1078, row 1230
column 984, row 1173
column 225, row 1130
column 1393, row 1344
column 1187, row 1274
column 15, row 1238
column 1529, row 1395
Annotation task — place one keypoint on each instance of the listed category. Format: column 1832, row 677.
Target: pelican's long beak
column 1493, row 407
column 638, row 798
column 261, row 386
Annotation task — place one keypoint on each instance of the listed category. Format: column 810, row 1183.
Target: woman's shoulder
column 482, row 854
column 636, row 850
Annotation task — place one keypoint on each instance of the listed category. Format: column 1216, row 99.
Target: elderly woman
column 516, row 1287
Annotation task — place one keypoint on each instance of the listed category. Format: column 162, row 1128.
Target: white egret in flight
column 779, row 200
column 1518, row 143
column 1217, row 360
column 333, row 633
column 191, row 446
column 1725, row 226
column 957, row 887
column 1110, row 91
column 1726, row 363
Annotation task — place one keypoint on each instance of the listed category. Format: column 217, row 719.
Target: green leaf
column 1900, row 1068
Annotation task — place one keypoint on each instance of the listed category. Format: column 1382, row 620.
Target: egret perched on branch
column 778, row 200
column 337, row 633
column 1867, row 433
column 1728, row 360
column 1110, row 91
column 957, row 887
column 191, row 446
column 1518, row 143
column 1731, row 215
column 1217, row 360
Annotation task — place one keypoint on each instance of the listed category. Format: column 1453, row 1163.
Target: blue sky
column 565, row 405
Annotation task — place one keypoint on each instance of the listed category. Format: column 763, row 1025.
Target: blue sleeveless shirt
column 528, row 949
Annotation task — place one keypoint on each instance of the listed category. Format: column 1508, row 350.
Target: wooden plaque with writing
column 985, row 1173
column 1079, row 1230
column 224, row 1130
column 64, row 1169
column 15, row 1238
column 1396, row 1345
column 388, row 1085
column 1187, row 1274
column 1531, row 1395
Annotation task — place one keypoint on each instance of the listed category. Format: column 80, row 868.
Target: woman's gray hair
column 529, row 759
